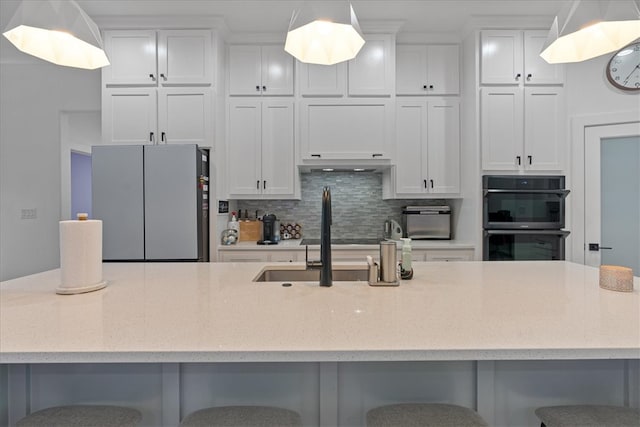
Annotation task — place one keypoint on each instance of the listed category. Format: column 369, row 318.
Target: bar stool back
column 82, row 416
column 243, row 416
column 424, row 415
column 588, row 415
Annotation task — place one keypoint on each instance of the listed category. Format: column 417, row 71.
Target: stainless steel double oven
column 524, row 217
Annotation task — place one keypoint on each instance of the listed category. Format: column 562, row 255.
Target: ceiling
column 265, row 16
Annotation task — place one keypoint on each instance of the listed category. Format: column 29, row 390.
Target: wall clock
column 623, row 69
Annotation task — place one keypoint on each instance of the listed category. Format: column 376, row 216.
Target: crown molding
column 150, row 22
column 420, row 38
column 504, row 22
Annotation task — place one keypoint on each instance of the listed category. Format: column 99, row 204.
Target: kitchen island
column 197, row 333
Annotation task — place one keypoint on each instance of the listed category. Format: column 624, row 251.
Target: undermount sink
column 339, row 273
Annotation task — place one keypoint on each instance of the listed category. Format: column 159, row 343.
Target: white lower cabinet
column 449, row 255
column 341, row 255
column 157, row 116
column 427, row 147
column 259, row 256
column 260, row 149
column 522, row 128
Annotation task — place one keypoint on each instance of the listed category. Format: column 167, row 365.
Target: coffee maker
column 270, row 230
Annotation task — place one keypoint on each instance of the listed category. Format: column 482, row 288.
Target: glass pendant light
column 585, row 29
column 58, row 31
column 324, row 33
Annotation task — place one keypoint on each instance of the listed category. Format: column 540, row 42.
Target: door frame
column 577, row 218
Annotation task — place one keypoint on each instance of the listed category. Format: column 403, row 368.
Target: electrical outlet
column 31, row 213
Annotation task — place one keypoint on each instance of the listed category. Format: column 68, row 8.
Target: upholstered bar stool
column 588, row 416
column 82, row 416
column 243, row 416
column 424, row 415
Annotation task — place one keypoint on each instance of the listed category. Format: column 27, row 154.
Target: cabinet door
column 322, row 80
column 243, row 148
column 129, row 116
column 184, row 116
column 184, row 57
column 544, row 130
column 372, row 72
column 411, row 70
column 501, row 128
column 443, row 70
column 536, row 69
column 278, row 162
column 501, row 57
column 245, row 70
column 277, row 71
column 350, row 129
column 411, row 138
column 444, row 146
column 243, row 256
column 450, row 255
column 132, row 54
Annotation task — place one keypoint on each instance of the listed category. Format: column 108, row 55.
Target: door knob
column 596, row 247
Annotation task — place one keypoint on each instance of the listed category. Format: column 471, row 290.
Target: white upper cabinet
column 513, row 57
column 322, row 80
column 502, row 128
column 427, row 70
column 157, row 116
column 372, row 71
column 427, row 147
column 261, row 160
column 129, row 116
column 256, row 70
column 184, row 57
column 346, row 129
column 536, row 70
column 522, row 128
column 158, row 58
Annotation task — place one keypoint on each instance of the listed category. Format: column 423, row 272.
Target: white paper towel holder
column 81, row 289
column 97, row 285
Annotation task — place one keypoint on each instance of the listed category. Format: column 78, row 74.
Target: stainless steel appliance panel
column 524, row 245
column 427, row 222
column 118, row 200
column 171, row 211
column 523, row 202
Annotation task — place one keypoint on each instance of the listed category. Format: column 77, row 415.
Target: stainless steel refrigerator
column 153, row 201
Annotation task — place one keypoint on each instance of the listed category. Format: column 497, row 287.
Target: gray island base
column 169, row 339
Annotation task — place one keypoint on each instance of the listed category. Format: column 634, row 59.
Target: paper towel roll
column 80, row 256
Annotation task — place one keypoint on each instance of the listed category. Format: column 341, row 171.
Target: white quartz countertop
column 208, row 312
column 295, row 244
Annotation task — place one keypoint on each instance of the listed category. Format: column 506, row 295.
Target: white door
column 129, row 116
column 244, row 145
column 411, row 147
column 277, row 152
column 612, row 195
column 444, row 147
column 184, row 57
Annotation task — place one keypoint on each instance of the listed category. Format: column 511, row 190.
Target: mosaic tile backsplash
column 356, row 203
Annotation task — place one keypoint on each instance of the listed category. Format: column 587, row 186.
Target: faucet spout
column 326, row 278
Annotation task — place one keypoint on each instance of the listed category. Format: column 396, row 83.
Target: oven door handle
column 562, row 193
column 562, row 233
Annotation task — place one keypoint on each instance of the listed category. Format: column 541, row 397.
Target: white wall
column 588, row 91
column 33, row 97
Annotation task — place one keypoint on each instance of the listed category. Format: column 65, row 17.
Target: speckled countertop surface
column 201, row 312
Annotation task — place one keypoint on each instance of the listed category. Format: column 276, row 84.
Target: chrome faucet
column 326, row 278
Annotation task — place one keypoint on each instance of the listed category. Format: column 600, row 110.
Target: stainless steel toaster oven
column 427, row 222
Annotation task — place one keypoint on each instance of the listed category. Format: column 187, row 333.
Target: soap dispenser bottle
column 406, row 270
column 233, row 224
